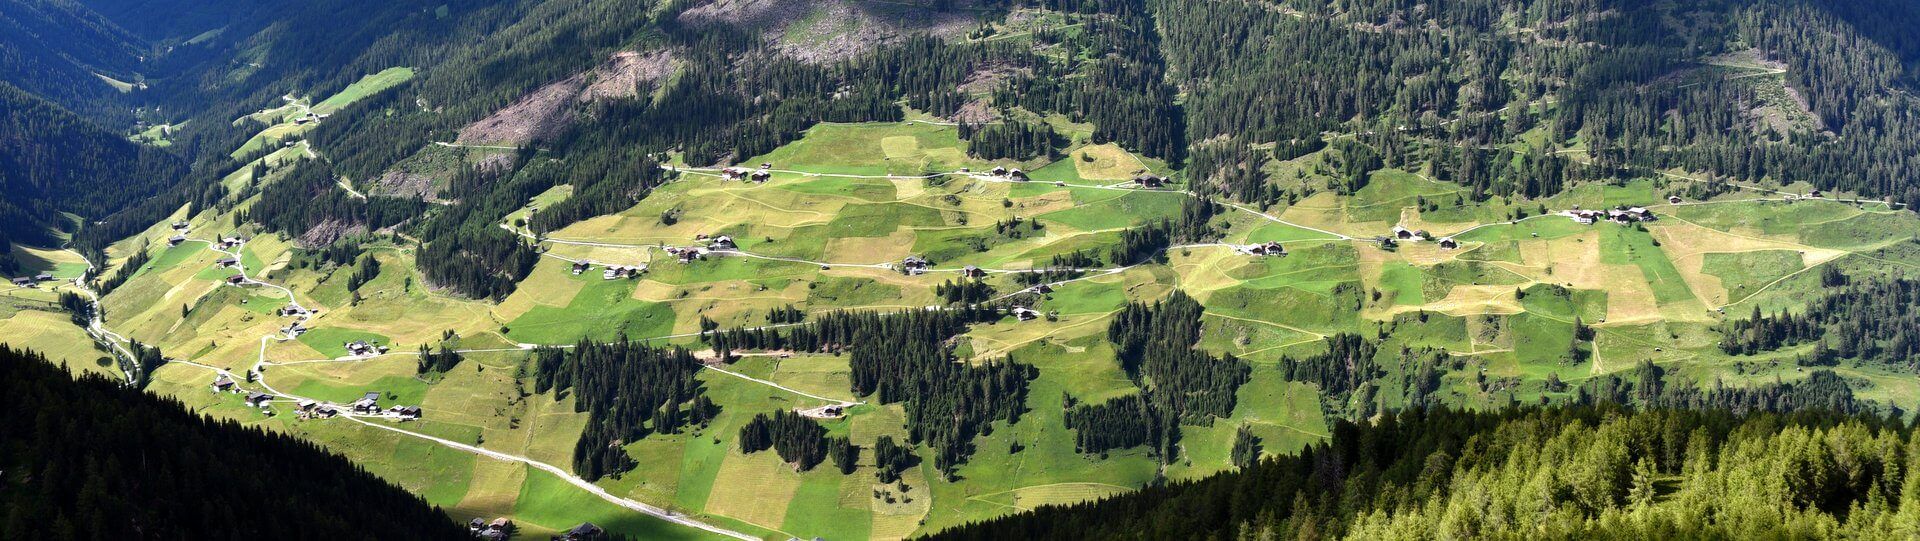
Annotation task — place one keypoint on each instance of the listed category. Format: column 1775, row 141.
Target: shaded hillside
column 90, row 459
column 52, row 161
column 55, row 49
column 1564, row 473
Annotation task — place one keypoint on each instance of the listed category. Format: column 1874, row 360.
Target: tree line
column 799, row 441
column 904, row 358
column 1180, row 384
column 88, row 458
column 1569, row 472
column 628, row 390
column 1872, row 321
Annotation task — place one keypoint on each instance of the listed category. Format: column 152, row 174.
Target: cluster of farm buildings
column 31, row 281
column 367, row 405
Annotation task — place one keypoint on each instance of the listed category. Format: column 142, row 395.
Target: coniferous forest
column 92, row 459
column 628, row 390
column 1872, row 321
column 1180, row 384
column 1577, row 472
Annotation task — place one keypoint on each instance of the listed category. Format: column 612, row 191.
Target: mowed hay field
column 54, row 335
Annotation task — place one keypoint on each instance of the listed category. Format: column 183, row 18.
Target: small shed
column 971, row 271
column 1147, row 180
column 586, row 531
column 1448, row 243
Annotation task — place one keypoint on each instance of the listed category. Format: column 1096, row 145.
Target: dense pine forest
column 1581, row 472
column 92, row 459
column 59, row 162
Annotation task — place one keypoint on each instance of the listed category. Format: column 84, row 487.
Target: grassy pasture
column 331, row 341
column 366, row 86
column 872, row 149
column 54, row 335
column 602, row 310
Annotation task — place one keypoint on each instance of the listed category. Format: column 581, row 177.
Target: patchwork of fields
column 848, row 203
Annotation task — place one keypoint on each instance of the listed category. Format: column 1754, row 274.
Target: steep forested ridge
column 91, row 459
column 1425, row 84
column 62, row 52
column 52, row 161
column 1561, row 473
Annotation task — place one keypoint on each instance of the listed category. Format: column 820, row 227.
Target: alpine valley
column 959, row 269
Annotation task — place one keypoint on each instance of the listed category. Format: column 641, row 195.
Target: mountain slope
column 53, row 161
column 65, row 53
column 90, row 459
column 1234, row 224
column 1569, row 473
